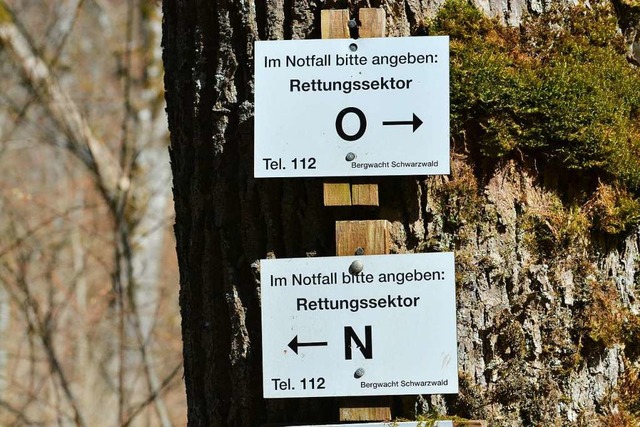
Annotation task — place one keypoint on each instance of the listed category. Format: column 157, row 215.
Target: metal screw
column 358, row 373
column 356, row 267
column 352, row 23
column 349, row 157
column 353, row 47
column 359, row 251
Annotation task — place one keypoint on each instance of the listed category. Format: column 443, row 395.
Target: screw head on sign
column 349, row 157
column 353, row 47
column 358, row 373
column 356, row 267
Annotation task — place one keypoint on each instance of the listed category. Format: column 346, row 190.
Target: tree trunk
column 227, row 221
column 523, row 357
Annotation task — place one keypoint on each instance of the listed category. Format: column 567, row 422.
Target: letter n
column 365, row 349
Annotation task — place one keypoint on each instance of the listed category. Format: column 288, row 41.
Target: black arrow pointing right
column 294, row 344
column 415, row 122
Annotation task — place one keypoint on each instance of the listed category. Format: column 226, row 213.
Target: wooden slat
column 337, row 194
column 364, row 195
column 372, row 22
column 372, row 236
column 369, row 413
column 334, row 24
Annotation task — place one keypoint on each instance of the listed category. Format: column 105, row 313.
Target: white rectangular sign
column 346, row 107
column 388, row 330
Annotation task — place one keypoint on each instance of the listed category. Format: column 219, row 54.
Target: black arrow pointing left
column 294, row 344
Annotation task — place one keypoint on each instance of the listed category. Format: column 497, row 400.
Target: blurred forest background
column 89, row 320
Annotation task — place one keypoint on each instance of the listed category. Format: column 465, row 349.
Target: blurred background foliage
column 89, row 320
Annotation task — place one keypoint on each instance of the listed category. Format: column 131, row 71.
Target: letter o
column 361, row 129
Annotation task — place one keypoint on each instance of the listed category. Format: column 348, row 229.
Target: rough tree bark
column 510, row 301
column 227, row 220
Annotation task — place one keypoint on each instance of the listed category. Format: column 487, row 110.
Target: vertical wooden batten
column 335, row 25
column 372, row 24
column 371, row 237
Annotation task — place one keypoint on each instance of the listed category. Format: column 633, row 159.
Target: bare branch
column 59, row 33
column 61, row 107
column 40, row 326
column 18, row 414
column 19, row 240
column 153, row 396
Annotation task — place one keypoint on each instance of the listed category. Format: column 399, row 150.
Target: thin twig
column 18, row 413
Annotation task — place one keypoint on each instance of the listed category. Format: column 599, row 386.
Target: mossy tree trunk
column 530, row 350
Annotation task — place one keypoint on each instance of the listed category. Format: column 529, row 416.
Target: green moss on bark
column 558, row 90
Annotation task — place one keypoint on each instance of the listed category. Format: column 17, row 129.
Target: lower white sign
column 359, row 325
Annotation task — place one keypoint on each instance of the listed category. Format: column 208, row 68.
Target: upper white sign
column 385, row 326
column 344, row 107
